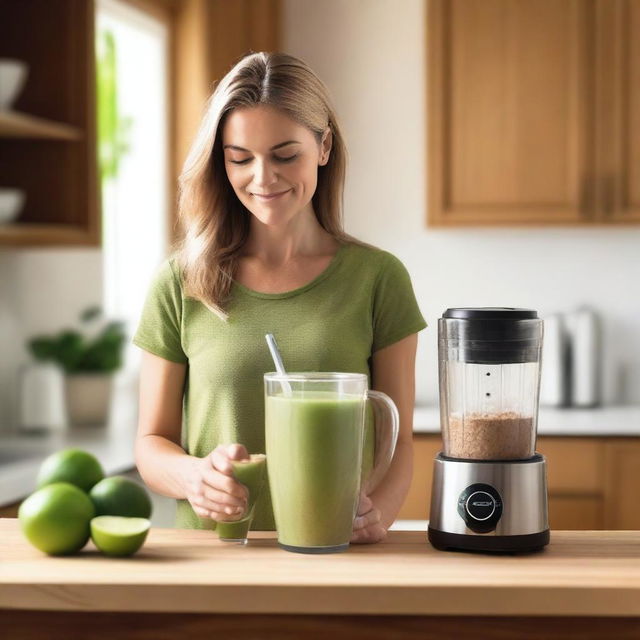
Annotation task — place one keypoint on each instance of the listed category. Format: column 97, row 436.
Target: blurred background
column 494, row 147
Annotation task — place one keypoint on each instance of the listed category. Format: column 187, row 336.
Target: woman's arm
column 161, row 461
column 393, row 373
column 207, row 483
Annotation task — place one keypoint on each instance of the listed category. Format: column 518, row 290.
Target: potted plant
column 88, row 361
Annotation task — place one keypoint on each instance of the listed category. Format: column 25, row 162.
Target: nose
column 265, row 175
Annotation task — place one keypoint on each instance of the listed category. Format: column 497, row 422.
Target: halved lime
column 118, row 535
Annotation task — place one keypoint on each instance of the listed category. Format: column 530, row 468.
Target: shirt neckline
column 305, row 287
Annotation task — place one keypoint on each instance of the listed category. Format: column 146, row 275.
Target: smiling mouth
column 272, row 196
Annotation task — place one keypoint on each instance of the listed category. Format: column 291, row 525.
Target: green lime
column 118, row 536
column 71, row 465
column 55, row 519
column 120, row 496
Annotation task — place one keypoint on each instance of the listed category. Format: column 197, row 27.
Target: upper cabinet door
column 618, row 110
column 511, row 105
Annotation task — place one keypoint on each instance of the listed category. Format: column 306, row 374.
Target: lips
column 271, row 196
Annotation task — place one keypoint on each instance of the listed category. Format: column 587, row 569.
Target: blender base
column 489, row 505
column 444, row 541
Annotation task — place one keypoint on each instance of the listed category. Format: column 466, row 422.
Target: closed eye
column 289, row 159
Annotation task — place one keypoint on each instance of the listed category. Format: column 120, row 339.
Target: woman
column 264, row 252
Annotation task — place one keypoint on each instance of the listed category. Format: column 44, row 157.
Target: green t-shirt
column 363, row 301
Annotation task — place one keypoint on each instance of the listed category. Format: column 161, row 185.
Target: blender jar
column 489, row 368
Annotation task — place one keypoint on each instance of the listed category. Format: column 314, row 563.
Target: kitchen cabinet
column 417, row 503
column 533, row 112
column 592, row 482
column 618, row 110
column 622, row 507
column 48, row 140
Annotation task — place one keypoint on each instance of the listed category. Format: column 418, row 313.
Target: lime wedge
column 118, row 535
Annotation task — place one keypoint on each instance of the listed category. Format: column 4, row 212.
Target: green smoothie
column 314, row 443
column 250, row 473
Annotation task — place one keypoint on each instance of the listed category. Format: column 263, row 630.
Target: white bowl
column 13, row 74
column 11, row 203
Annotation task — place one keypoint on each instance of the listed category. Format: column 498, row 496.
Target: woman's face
column 259, row 164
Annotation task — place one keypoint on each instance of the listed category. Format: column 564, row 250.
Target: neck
column 276, row 245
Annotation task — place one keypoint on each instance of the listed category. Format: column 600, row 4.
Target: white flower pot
column 88, row 398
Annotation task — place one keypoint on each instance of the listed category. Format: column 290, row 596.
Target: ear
column 325, row 146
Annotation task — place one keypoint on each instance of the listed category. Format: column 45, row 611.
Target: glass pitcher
column 315, row 437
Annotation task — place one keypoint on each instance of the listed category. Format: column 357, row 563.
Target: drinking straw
column 277, row 360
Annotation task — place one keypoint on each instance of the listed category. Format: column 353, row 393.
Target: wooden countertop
column 581, row 573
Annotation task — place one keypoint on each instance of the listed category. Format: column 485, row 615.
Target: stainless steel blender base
column 498, row 506
column 488, row 544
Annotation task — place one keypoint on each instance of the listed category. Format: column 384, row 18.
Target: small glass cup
column 251, row 473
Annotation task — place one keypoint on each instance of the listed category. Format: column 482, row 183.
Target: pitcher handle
column 386, row 426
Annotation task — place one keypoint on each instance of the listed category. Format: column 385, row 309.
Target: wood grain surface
column 581, row 573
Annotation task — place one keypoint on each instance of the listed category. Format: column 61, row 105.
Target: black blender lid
column 491, row 335
column 487, row 313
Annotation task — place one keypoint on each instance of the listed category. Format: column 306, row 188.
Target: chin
column 272, row 218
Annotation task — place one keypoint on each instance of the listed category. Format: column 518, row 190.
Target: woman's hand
column 367, row 526
column 212, row 490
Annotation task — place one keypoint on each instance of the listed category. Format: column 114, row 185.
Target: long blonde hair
column 215, row 224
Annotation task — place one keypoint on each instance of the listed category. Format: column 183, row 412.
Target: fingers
column 364, row 505
column 368, row 519
column 210, row 502
column 213, row 506
column 224, row 453
column 213, row 491
column 226, row 514
column 217, row 515
column 226, row 484
column 367, row 526
column 237, row 452
column 370, row 535
column 220, row 460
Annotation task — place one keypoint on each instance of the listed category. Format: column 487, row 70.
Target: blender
column 489, row 490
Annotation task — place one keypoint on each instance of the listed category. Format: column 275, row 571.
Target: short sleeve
column 395, row 309
column 159, row 329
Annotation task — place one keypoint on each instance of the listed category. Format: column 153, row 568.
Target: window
column 132, row 101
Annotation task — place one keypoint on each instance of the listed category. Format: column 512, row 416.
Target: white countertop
column 601, row 421
column 22, row 454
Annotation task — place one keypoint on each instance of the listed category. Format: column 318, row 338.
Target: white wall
column 41, row 291
column 370, row 53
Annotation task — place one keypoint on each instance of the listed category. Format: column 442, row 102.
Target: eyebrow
column 277, row 146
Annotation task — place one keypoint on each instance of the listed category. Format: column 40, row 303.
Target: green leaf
column 74, row 352
column 90, row 313
column 69, row 349
column 42, row 348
